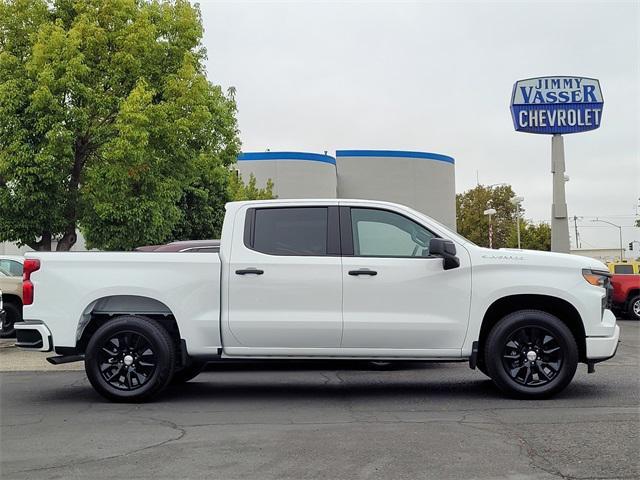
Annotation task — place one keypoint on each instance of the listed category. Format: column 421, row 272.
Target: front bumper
column 33, row 335
column 601, row 348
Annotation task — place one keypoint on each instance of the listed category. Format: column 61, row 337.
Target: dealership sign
column 556, row 105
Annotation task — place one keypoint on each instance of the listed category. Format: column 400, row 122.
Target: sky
column 437, row 77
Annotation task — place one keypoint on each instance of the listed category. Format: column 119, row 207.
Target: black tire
column 531, row 354
column 13, row 315
column 187, row 373
column 480, row 366
column 634, row 308
column 130, row 359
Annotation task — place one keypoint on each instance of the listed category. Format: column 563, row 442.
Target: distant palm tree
column 231, row 91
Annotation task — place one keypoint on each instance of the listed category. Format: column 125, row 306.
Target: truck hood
column 513, row 256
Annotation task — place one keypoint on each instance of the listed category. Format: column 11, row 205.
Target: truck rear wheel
column 130, row 359
column 634, row 308
column 531, row 354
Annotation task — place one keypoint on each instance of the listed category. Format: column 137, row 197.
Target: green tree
column 532, row 236
column 474, row 224
column 238, row 190
column 108, row 123
column 203, row 201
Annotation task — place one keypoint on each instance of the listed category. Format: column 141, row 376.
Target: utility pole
column 575, row 224
column 490, row 212
column 517, row 201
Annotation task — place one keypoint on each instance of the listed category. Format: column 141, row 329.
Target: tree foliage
column 532, row 236
column 238, row 190
column 474, row 224
column 108, row 122
column 203, row 202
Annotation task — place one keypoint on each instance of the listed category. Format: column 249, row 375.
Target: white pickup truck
column 320, row 279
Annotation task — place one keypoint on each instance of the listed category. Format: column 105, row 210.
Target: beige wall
column 424, row 184
column 293, row 178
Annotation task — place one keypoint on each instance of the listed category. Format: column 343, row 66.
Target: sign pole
column 559, row 219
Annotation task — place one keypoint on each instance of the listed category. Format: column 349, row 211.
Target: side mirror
column 439, row 247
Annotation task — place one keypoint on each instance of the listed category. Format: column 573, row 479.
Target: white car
column 320, row 279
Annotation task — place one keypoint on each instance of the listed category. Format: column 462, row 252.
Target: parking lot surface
column 342, row 421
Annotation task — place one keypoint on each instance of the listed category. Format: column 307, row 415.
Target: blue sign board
column 556, row 105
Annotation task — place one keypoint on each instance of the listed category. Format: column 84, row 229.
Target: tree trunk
column 43, row 245
column 68, row 240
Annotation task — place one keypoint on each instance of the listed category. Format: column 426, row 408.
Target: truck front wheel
column 531, row 354
column 130, row 359
column 634, row 308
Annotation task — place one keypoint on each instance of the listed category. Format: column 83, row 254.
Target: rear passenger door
column 285, row 282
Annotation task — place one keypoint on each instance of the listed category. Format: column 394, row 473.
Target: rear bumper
column 33, row 335
column 601, row 348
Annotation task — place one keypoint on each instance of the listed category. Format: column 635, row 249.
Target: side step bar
column 59, row 360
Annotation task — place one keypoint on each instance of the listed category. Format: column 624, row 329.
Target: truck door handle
column 363, row 271
column 250, row 271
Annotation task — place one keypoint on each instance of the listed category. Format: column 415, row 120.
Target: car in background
column 11, row 288
column 11, row 265
column 626, row 288
column 3, row 315
column 201, row 246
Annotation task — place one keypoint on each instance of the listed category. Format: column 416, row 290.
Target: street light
column 490, row 212
column 620, row 229
column 517, row 201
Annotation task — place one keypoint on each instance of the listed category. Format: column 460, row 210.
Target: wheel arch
column 109, row 307
column 558, row 307
column 12, row 298
column 632, row 292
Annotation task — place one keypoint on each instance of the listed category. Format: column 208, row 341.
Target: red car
column 203, row 246
column 626, row 289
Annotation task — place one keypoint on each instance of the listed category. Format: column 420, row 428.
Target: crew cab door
column 285, row 282
column 395, row 296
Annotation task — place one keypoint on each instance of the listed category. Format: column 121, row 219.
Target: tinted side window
column 379, row 233
column 623, row 269
column 291, row 231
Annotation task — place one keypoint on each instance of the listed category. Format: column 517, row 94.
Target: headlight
column 599, row 278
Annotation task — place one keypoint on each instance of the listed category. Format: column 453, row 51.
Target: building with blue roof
column 422, row 180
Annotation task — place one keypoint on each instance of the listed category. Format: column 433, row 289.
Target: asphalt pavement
column 322, row 421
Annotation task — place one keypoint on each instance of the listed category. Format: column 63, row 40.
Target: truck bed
column 76, row 285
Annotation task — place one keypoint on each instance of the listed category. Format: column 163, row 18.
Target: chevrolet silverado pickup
column 320, row 279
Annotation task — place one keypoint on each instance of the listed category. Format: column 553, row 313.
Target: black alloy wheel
column 130, row 359
column 127, row 360
column 530, row 354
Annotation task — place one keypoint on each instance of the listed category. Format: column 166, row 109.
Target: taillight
column 30, row 266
